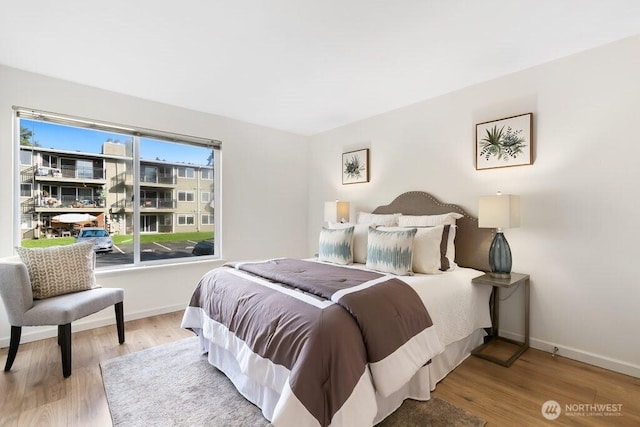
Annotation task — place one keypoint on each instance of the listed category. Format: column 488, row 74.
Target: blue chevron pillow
column 391, row 251
column 336, row 245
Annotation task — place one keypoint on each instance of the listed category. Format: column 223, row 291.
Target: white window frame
column 136, row 134
column 204, row 199
column 30, row 189
column 30, row 157
column 186, row 196
column 186, row 216
column 209, row 176
column 27, row 220
column 210, row 219
column 184, row 169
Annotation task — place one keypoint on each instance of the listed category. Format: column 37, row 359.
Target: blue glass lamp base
column 500, row 257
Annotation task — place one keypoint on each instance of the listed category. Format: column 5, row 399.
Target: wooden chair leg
column 119, row 307
column 64, row 338
column 16, row 332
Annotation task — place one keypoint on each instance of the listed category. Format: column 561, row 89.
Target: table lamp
column 336, row 212
column 499, row 211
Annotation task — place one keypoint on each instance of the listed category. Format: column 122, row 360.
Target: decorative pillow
column 336, row 245
column 430, row 247
column 360, row 234
column 378, row 219
column 451, row 247
column 59, row 270
column 391, row 251
column 428, row 220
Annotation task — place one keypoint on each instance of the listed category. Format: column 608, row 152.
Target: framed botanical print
column 355, row 166
column 504, row 142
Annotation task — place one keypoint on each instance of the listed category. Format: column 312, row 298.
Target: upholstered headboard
column 472, row 243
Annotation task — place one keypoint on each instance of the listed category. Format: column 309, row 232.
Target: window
column 149, row 174
column 186, row 172
column 207, row 173
column 186, row 219
column 123, row 180
column 205, row 196
column 206, row 219
column 186, row 196
column 25, row 190
column 26, row 223
column 49, row 161
column 26, row 157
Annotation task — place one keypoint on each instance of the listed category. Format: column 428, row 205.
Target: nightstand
column 515, row 280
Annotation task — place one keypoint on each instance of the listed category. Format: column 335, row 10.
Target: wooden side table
column 515, row 280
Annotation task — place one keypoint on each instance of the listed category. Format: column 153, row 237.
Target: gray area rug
column 174, row 385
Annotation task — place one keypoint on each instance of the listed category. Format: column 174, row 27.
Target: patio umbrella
column 73, row 218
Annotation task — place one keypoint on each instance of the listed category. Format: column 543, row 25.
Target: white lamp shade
column 499, row 211
column 336, row 211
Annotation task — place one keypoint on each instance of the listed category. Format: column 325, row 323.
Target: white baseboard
column 38, row 333
column 579, row 355
column 569, row 352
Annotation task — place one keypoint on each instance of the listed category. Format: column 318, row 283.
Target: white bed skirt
column 418, row 388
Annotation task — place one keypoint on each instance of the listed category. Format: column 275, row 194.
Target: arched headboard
column 472, row 243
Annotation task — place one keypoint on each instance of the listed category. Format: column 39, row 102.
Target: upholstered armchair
column 23, row 310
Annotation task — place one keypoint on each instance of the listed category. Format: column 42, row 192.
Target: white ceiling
column 304, row 66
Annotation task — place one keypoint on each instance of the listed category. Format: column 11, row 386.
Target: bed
column 313, row 343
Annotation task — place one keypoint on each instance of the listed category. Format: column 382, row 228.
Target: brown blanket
column 349, row 322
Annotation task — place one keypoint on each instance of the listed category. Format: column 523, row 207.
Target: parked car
column 204, row 247
column 100, row 236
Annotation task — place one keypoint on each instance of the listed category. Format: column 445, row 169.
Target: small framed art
column 504, row 142
column 355, row 166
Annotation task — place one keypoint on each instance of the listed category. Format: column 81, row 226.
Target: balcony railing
column 70, row 202
column 158, row 203
column 167, row 179
column 70, row 172
column 146, row 203
column 127, row 178
column 65, row 202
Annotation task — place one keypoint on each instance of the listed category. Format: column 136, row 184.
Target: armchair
column 61, row 310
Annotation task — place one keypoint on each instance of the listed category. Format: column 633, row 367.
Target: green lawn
column 124, row 238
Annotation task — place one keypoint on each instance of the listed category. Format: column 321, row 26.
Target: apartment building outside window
column 139, row 185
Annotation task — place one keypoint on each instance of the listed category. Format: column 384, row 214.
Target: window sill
column 116, row 270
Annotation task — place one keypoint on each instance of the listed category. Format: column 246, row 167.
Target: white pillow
column 428, row 220
column 336, row 245
column 360, row 234
column 59, row 270
column 378, row 219
column 391, row 251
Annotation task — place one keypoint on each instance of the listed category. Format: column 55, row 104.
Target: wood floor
column 34, row 393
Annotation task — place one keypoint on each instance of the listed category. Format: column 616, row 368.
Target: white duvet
column 457, row 307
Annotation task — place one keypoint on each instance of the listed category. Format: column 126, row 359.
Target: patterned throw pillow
column 336, row 245
column 59, row 270
column 360, row 234
column 391, row 251
column 431, row 248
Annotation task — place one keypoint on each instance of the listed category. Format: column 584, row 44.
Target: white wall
column 580, row 200
column 264, row 184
